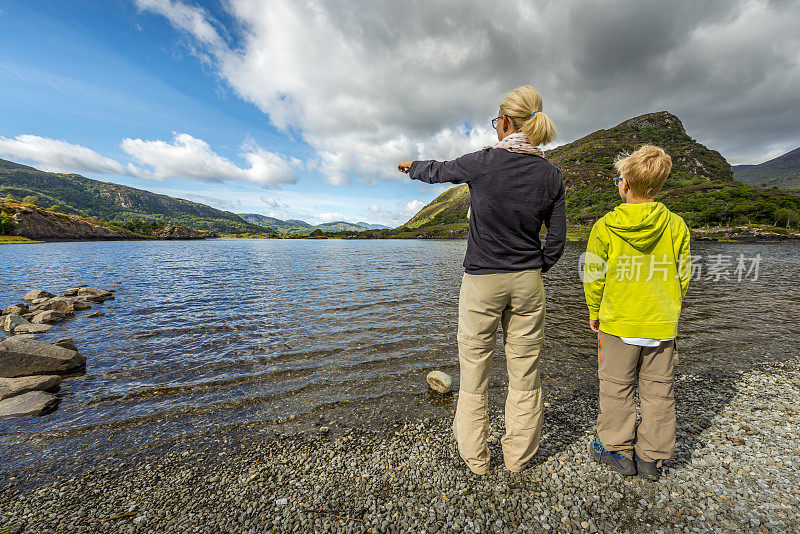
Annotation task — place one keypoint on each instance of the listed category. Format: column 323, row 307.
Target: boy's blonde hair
column 646, row 170
column 519, row 105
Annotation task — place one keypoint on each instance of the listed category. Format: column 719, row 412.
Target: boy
column 637, row 270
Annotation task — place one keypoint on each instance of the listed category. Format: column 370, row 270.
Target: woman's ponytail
column 523, row 106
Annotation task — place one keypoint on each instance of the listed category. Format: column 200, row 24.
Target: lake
column 231, row 337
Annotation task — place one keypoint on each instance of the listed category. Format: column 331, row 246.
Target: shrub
column 30, row 199
column 56, row 208
column 6, row 223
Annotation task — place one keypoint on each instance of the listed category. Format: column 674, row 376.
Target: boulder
column 95, row 293
column 30, row 328
column 15, row 324
column 31, row 403
column 21, row 356
column 440, row 382
column 71, row 292
column 11, row 387
column 12, row 321
column 39, row 301
column 66, row 305
column 67, row 343
column 15, row 309
column 37, row 294
column 48, row 317
column 95, row 314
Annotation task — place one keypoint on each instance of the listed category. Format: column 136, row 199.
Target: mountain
column 372, row 226
column 700, row 188
column 782, row 172
column 78, row 195
column 294, row 226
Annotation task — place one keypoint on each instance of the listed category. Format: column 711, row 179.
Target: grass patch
column 6, row 239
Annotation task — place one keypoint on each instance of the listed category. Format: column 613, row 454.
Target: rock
column 24, row 357
column 11, row 387
column 48, row 316
column 60, row 304
column 94, row 292
column 30, row 328
column 39, row 301
column 37, row 294
column 178, row 232
column 95, row 314
column 67, row 305
column 440, row 382
column 72, row 292
column 16, row 324
column 31, row 403
column 67, row 343
column 12, row 321
column 324, row 429
column 15, row 309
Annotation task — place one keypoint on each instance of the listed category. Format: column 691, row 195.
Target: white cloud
column 368, row 84
column 60, row 156
column 327, row 217
column 414, row 206
column 192, row 158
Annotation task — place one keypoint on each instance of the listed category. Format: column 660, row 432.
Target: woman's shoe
column 613, row 460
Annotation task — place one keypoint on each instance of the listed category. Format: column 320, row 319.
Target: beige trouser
column 515, row 300
column 619, row 365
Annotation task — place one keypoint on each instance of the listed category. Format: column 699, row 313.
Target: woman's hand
column 594, row 324
column 404, row 166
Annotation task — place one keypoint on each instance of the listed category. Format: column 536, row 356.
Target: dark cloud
column 367, row 82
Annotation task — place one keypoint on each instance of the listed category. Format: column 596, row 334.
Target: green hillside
column 782, row 172
column 700, row 188
column 294, row 226
column 120, row 204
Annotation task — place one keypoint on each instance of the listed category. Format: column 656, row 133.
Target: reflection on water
column 204, row 335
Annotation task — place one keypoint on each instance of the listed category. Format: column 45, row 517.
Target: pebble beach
column 735, row 469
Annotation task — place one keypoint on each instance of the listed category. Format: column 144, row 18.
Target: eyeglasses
column 617, row 180
column 495, row 121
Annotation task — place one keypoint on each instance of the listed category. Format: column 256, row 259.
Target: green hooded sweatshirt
column 636, row 271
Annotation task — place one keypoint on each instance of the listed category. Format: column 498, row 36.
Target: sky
column 302, row 109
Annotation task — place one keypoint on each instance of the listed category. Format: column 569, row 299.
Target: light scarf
column 517, row 142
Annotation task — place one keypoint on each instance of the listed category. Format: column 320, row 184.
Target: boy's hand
column 404, row 166
column 594, row 324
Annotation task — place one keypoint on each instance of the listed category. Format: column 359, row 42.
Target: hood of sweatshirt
column 641, row 225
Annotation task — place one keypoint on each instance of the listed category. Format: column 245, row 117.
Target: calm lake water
column 224, row 335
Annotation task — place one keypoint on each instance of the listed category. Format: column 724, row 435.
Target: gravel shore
column 736, row 469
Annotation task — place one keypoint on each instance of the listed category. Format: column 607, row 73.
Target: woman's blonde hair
column 523, row 106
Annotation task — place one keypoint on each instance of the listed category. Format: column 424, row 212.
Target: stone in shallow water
column 37, row 294
column 15, row 309
column 24, row 357
column 440, row 382
column 11, row 387
column 48, row 317
column 31, row 403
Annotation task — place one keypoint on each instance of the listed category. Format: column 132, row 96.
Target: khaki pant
column 517, row 301
column 619, row 366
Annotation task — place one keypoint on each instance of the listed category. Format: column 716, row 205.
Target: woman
column 513, row 191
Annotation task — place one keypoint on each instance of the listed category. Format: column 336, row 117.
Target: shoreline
column 735, row 469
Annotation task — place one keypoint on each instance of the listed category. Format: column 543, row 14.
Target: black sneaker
column 614, row 460
column 647, row 470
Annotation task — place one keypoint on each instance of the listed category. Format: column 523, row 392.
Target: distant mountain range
column 119, row 204
column 294, row 226
column 78, row 195
column 701, row 187
column 782, row 172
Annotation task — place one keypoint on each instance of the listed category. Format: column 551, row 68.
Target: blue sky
column 298, row 109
